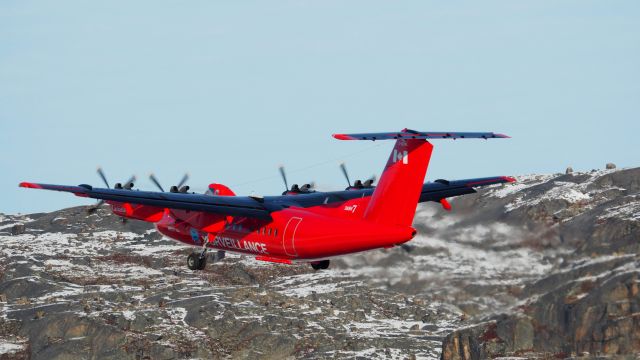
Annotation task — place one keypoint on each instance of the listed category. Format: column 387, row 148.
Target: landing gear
column 320, row 265
column 196, row 261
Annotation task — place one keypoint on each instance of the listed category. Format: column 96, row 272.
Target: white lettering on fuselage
column 242, row 245
column 351, row 208
column 119, row 209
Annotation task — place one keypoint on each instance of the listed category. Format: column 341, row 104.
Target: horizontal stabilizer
column 412, row 134
column 442, row 189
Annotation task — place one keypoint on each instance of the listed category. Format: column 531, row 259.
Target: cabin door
column 288, row 236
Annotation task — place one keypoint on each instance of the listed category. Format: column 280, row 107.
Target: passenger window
column 269, row 231
column 275, row 232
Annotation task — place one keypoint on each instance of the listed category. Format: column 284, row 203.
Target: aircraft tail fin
column 395, row 198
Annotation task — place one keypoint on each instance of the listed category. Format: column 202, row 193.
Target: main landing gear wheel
column 320, row 265
column 196, row 261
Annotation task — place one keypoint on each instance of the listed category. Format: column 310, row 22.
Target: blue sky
column 228, row 90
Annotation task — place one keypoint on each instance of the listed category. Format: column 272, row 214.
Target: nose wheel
column 196, row 261
column 320, row 265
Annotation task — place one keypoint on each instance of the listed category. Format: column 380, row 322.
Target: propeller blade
column 372, row 178
column 343, row 167
column 93, row 208
column 284, row 177
column 129, row 183
column 103, row 177
column 183, row 181
column 155, row 181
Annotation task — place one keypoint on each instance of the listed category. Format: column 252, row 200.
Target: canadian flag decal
column 400, row 155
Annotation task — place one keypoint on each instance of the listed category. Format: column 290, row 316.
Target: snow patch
column 8, row 348
column 630, row 211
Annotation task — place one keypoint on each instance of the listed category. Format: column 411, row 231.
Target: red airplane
column 301, row 225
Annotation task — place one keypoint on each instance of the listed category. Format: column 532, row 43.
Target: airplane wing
column 225, row 205
column 250, row 207
column 432, row 191
column 442, row 189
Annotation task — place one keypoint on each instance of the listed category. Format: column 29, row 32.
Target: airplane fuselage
column 292, row 234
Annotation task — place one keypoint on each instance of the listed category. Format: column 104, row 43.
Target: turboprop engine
column 203, row 221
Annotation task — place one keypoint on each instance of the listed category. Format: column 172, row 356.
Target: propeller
column 369, row 182
column 284, row 178
column 358, row 184
column 175, row 188
column 127, row 186
column 103, row 177
column 155, row 181
column 343, row 167
column 308, row 187
column 295, row 188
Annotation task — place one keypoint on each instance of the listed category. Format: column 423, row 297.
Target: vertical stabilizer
column 396, row 196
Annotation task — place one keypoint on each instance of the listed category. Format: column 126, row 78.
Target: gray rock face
column 545, row 267
column 17, row 229
column 587, row 303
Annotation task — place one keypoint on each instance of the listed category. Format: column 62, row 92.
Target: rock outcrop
column 589, row 303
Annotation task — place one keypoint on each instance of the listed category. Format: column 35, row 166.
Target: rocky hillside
column 546, row 267
column 587, row 303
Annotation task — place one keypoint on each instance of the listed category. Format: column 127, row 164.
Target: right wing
column 442, row 189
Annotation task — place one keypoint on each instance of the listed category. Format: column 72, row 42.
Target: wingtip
column 503, row 136
column 509, row 179
column 342, row 136
column 29, row 185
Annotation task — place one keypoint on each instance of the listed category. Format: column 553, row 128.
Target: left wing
column 225, row 205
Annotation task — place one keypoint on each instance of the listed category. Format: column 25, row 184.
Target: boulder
column 18, row 229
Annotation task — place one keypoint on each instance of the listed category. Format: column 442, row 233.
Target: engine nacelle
column 136, row 211
column 206, row 221
column 219, row 190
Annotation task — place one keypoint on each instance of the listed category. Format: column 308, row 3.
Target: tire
column 320, row 265
column 193, row 261
column 202, row 262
